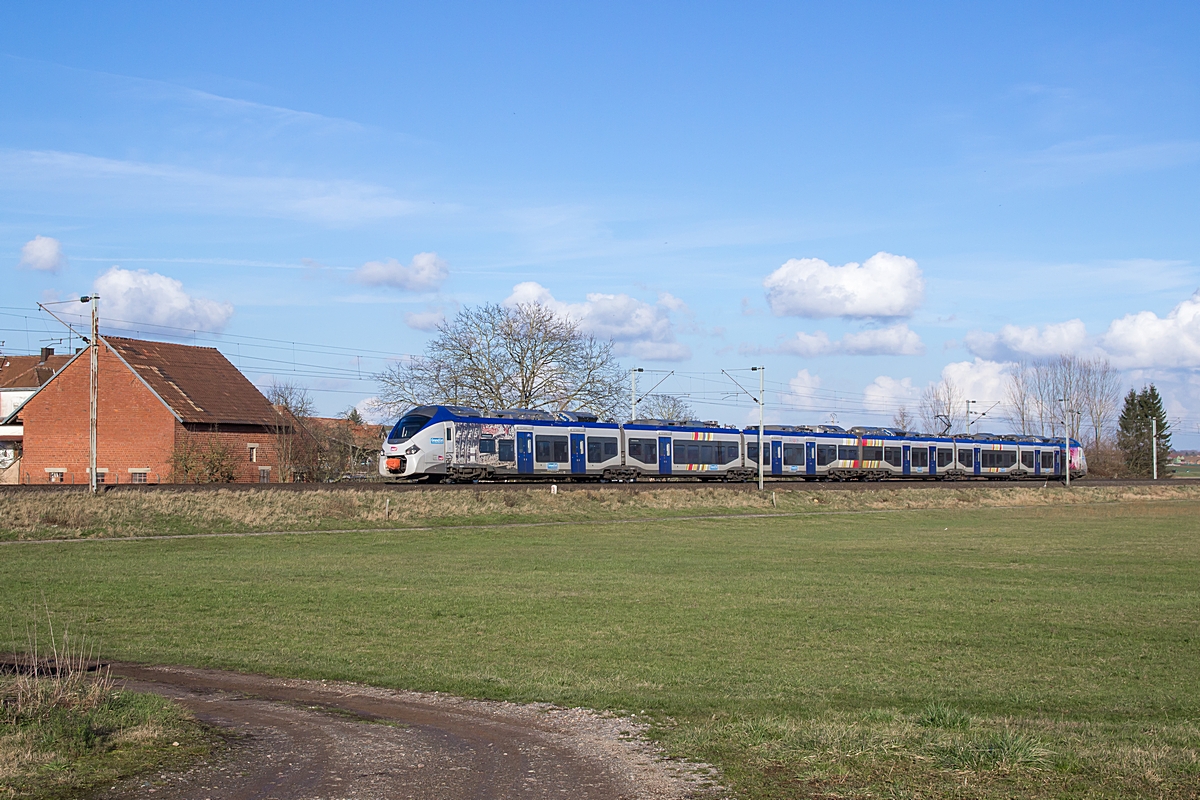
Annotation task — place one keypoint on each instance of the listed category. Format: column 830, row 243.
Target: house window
column 56, row 477
column 264, row 474
column 253, row 453
column 137, row 477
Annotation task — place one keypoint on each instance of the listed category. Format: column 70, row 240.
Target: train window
column 793, row 455
column 1047, row 459
column 487, row 445
column 644, row 450
column 507, row 452
column 752, row 453
column 693, row 454
column 826, row 454
column 998, row 458
column 548, row 449
column 407, row 428
column 872, row 453
column 945, row 456
column 1027, row 460
column 892, row 455
column 707, row 454
column 964, row 458
column 601, row 448
column 919, row 457
column 727, row 452
column 847, row 453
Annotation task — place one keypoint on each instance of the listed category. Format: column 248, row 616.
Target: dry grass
column 65, row 728
column 51, row 515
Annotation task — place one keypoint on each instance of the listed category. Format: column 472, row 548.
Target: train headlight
column 413, row 450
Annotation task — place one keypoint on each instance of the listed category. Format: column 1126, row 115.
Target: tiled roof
column 28, row 372
column 198, row 383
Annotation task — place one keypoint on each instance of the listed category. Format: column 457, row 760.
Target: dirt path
column 311, row 739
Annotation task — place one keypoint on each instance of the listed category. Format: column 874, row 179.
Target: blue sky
column 285, row 173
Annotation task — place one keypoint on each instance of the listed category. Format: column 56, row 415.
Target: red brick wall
column 238, row 444
column 134, row 429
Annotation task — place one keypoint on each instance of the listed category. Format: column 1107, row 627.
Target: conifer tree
column 1134, row 430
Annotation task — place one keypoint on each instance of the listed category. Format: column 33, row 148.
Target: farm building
column 166, row 413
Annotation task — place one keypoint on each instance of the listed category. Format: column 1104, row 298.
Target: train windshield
column 407, row 428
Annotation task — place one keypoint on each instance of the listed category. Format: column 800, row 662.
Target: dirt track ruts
column 292, row 739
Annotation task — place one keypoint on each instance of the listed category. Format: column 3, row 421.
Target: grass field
column 1045, row 651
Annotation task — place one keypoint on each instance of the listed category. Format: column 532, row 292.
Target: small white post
column 1154, row 444
column 1067, row 442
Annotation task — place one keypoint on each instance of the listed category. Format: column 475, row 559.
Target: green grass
column 958, row 652
column 61, row 741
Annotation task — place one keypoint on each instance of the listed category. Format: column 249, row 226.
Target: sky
column 862, row 198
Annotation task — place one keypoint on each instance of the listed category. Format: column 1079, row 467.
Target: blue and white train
column 462, row 444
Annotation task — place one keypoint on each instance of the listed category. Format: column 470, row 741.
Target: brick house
column 166, row 413
column 20, row 377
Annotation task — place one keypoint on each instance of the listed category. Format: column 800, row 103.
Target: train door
column 664, row 455
column 578, row 454
column 906, row 459
column 810, row 458
column 978, row 462
column 525, row 452
column 933, row 460
column 1057, row 462
column 777, row 457
column 1037, row 462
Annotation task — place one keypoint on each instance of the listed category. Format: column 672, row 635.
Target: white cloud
column 885, row 395
column 1014, row 342
column 424, row 320
column 43, row 254
column 981, row 380
column 637, row 328
column 885, row 285
column 1145, row 340
column 153, row 299
column 895, row 340
column 425, row 272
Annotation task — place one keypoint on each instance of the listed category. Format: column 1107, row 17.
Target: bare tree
column 903, row 420
column 665, row 406
column 1101, row 396
column 522, row 357
column 942, row 407
column 1039, row 394
column 292, row 405
column 1020, row 401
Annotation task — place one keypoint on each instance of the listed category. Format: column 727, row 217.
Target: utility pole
column 761, row 398
column 633, row 392
column 1067, row 442
column 92, row 386
column 1154, row 444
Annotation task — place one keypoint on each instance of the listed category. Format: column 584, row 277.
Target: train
column 459, row 444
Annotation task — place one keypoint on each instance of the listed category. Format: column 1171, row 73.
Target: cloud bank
column 885, row 285
column 896, row 340
column 128, row 296
column 637, row 328
column 1146, row 340
column 1014, row 342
